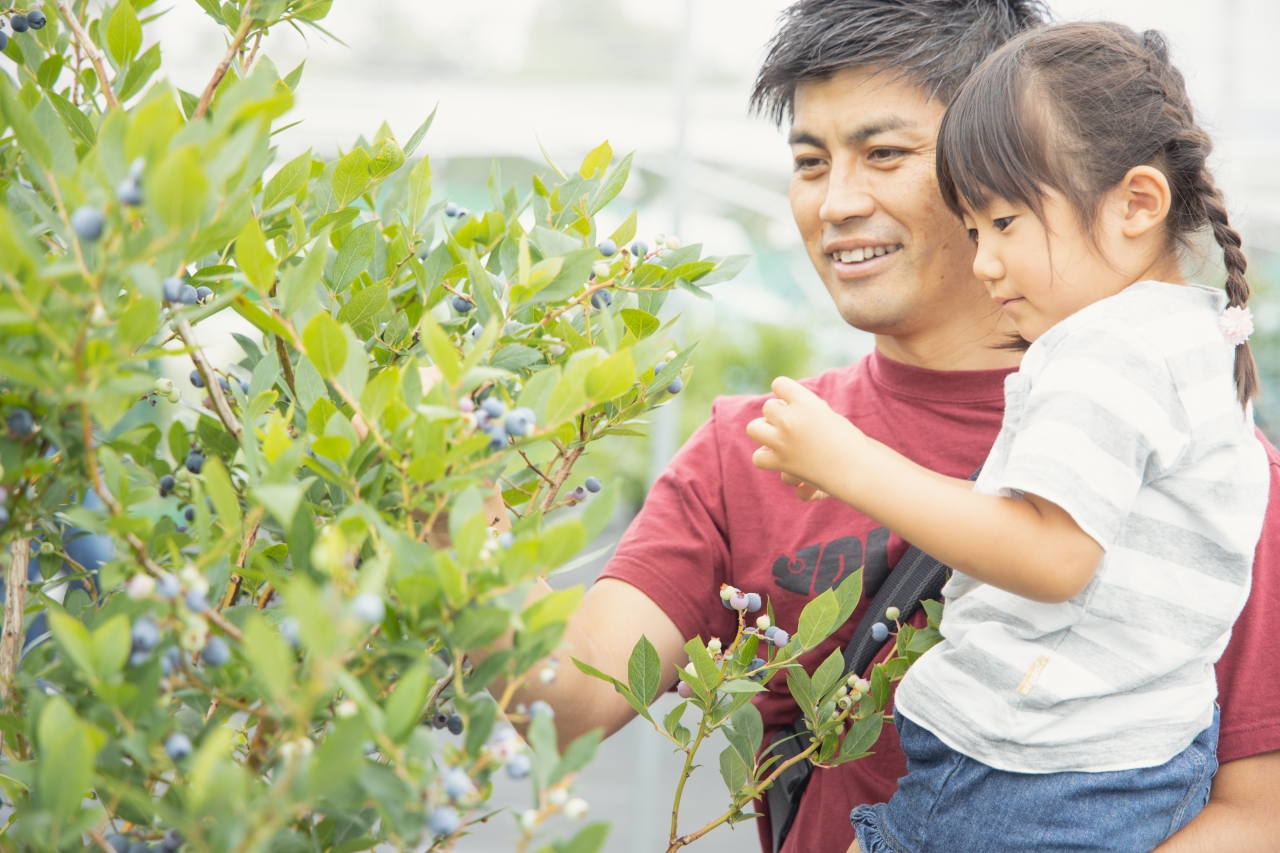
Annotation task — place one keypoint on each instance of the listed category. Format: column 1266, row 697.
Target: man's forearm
column 1243, row 814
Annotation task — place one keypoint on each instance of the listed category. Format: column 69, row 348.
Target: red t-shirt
column 713, row 518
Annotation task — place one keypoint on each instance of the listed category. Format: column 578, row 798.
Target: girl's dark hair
column 1074, row 107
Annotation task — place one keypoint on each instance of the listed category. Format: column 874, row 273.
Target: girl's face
column 1040, row 273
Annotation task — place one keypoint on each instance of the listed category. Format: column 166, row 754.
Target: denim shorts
column 950, row 803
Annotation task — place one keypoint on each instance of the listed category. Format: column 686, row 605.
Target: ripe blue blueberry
column 454, row 724
column 753, row 602
column 87, row 222
column 173, row 289
column 771, row 631
column 118, row 843
column 368, row 607
column 139, row 847
column 178, row 746
column 189, row 513
column 608, row 248
column 167, row 587
column 752, row 667
column 139, row 657
column 541, row 707
column 196, row 379
column 21, row 423
column 494, row 406
column 444, row 821
column 726, row 603
column 203, row 293
column 4, row 518
column 879, row 632
column 579, row 494
column 194, row 461
column 676, row 386
column 781, row 638
column 129, row 191
column 456, row 783
column 451, row 209
column 659, row 367
column 196, row 601
column 519, row 766
column 167, row 484
column 244, row 386
column 223, row 384
column 216, row 652
column 639, row 249
column 19, row 23
column 475, row 332
column 519, row 422
column 497, row 435
column 4, row 42
column 462, row 305
column 463, row 213
column 170, row 660
column 172, row 840
column 36, row 19
column 506, row 539
column 601, row 299
column 188, row 296
column 593, row 484
column 440, row 720
column 145, row 634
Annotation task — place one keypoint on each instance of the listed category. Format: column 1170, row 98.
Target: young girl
column 1105, row 550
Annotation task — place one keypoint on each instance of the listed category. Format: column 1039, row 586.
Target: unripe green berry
column 892, row 613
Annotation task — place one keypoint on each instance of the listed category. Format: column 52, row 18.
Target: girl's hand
column 804, row 491
column 803, row 437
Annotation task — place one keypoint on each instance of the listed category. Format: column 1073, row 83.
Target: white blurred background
column 670, row 80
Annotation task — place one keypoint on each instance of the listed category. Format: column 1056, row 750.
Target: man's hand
column 1241, row 815
column 803, row 437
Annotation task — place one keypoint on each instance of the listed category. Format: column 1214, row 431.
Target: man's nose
column 848, row 196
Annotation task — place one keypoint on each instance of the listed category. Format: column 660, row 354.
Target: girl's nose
column 986, row 266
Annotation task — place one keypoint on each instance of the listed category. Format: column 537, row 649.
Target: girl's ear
column 1144, row 198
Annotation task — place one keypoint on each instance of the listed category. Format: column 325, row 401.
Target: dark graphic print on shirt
column 817, row 568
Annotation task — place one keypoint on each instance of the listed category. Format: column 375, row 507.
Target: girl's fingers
column 790, row 390
column 791, row 480
column 762, row 432
column 773, row 408
column 809, row 494
column 766, row 460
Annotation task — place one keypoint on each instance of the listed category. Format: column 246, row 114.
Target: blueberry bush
column 842, row 715
column 302, row 550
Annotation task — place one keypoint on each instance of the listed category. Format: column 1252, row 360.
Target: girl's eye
column 973, row 235
column 1002, row 223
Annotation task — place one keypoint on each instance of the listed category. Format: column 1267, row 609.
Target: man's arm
column 612, row 618
column 1243, row 814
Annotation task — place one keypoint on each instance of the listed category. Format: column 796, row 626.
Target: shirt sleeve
column 676, row 549
column 1249, row 696
column 1101, row 417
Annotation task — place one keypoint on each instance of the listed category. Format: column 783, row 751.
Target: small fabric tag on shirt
column 1033, row 675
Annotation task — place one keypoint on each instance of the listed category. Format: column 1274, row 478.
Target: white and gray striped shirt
column 1125, row 415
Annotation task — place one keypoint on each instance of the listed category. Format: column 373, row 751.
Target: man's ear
column 1144, row 198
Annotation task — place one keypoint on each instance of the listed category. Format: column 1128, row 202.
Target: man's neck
column 952, row 349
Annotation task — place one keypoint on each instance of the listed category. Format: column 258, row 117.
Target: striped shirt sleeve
column 1102, row 418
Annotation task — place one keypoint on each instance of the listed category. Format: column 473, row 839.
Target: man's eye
column 973, row 235
column 885, row 153
column 808, row 163
column 1002, row 223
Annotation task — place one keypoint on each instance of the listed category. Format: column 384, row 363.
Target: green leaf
column 124, row 33
column 77, row 121
column 441, row 349
column 407, row 701
column 626, row 231
column 644, row 671
column 280, row 500
column 351, row 178
column 743, row 685
column 354, row 256
column 326, row 345
column 748, row 722
column 612, row 184
column 589, row 839
column 612, row 378
column 642, row 324
column 419, row 191
column 179, row 189
column 138, row 322
column 879, row 686
column 596, row 161
column 420, row 134
column 733, row 770
column 578, row 755
column 299, row 283
column 270, row 657
column 848, row 594
column 111, row 646
column 355, row 373
column 708, row 672
column 933, row 609
column 222, row 493
column 801, row 690
column 67, row 753
column 253, row 258
column 478, row 626
column 817, row 620
column 672, row 719
column 364, row 306
column 24, row 127
column 860, row 737
column 552, row 609
column 288, row 182
column 73, row 638
column 829, row 674
column 379, row 393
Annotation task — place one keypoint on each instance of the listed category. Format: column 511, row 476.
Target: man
column 865, row 83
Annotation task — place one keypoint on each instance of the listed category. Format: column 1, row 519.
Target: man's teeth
column 855, row 256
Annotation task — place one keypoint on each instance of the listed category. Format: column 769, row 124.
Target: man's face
column 864, row 194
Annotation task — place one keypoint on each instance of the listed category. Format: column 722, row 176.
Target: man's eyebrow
column 803, row 137
column 875, row 128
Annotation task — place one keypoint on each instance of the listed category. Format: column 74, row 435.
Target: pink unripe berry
column 466, row 405
column 683, row 690
column 738, row 601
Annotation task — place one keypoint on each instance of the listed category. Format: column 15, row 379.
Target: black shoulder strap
column 915, row 578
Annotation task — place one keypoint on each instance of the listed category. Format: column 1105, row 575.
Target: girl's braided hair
column 1073, row 107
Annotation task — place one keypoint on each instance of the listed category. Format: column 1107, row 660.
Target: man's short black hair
column 933, row 43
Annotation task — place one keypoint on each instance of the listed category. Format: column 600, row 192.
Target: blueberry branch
column 246, row 24
column 86, row 44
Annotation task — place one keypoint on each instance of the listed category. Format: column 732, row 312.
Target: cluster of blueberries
column 171, row 842
column 32, row 20
column 177, row 291
column 493, row 419
column 223, row 383
column 452, row 722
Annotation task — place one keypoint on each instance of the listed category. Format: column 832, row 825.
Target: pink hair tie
column 1236, row 324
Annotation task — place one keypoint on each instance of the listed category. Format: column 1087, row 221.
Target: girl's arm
column 1030, row 547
